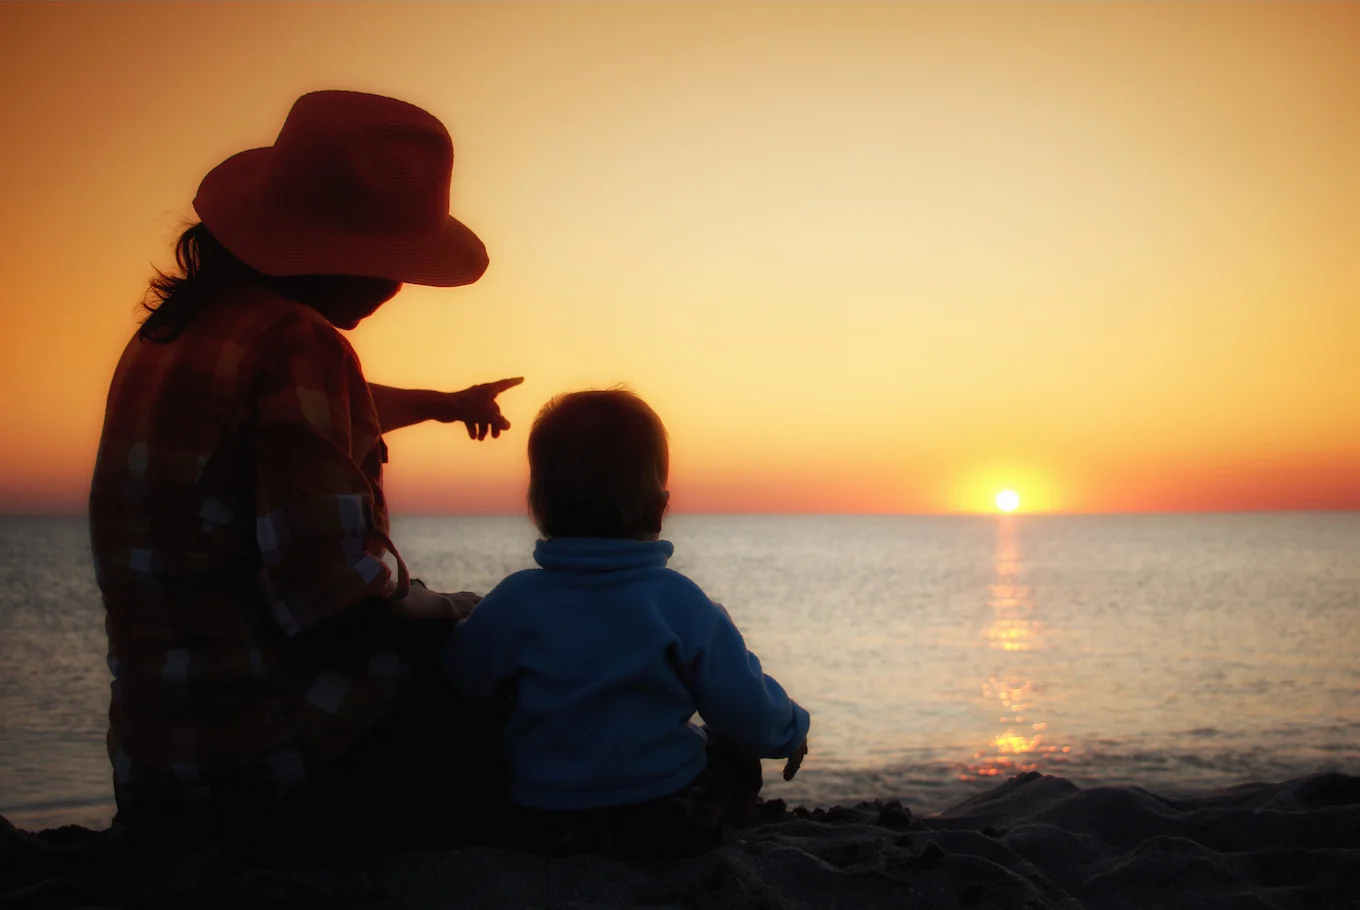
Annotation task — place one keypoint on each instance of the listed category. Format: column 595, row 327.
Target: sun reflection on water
column 1014, row 627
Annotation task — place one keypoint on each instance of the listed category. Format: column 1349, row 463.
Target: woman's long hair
column 205, row 268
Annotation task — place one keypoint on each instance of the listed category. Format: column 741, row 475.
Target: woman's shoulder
column 257, row 320
column 233, row 342
column 269, row 319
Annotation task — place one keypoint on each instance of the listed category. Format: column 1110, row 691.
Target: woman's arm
column 475, row 406
column 399, row 408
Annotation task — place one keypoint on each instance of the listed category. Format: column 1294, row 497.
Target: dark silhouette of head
column 598, row 462
column 349, row 203
column 206, row 269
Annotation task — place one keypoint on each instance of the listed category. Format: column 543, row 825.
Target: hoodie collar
column 598, row 554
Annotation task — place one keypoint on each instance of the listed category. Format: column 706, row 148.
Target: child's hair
column 598, row 462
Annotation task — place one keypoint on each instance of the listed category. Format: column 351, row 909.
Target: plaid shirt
column 236, row 503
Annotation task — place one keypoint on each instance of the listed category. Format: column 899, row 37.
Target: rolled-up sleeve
column 321, row 549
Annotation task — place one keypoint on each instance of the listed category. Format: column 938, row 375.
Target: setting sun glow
column 1007, row 500
column 1103, row 253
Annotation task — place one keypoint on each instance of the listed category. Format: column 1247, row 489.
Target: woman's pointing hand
column 477, row 408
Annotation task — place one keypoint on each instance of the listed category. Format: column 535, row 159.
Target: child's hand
column 795, row 760
column 476, row 406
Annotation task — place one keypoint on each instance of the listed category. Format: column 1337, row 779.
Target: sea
column 937, row 655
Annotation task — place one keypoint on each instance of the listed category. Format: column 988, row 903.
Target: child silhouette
column 610, row 654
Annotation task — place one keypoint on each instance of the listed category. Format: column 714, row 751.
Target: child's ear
column 658, row 510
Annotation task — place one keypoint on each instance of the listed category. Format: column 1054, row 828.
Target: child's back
column 610, row 654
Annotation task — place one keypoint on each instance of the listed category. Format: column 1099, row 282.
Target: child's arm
column 739, row 701
column 471, row 658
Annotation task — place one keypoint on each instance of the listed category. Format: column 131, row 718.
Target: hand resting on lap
column 421, row 603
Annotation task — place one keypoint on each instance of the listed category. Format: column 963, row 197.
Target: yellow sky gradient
column 882, row 258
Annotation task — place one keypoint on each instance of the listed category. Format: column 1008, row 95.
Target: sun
column 1007, row 500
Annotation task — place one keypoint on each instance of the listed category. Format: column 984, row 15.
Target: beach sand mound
column 1033, row 842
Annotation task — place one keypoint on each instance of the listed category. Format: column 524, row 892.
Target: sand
column 1033, row 842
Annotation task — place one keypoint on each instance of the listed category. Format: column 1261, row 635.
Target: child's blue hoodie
column 611, row 654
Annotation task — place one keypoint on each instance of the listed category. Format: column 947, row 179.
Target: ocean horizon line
column 82, row 513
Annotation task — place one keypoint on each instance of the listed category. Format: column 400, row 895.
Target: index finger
column 503, row 384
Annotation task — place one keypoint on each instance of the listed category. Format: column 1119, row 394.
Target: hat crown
column 362, row 163
column 356, row 184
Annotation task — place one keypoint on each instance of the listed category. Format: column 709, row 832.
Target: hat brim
column 231, row 201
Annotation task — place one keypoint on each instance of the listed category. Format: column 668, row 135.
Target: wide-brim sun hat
column 355, row 184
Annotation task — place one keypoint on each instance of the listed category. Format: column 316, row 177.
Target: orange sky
column 886, row 257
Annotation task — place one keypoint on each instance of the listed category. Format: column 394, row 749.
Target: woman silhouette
column 267, row 649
